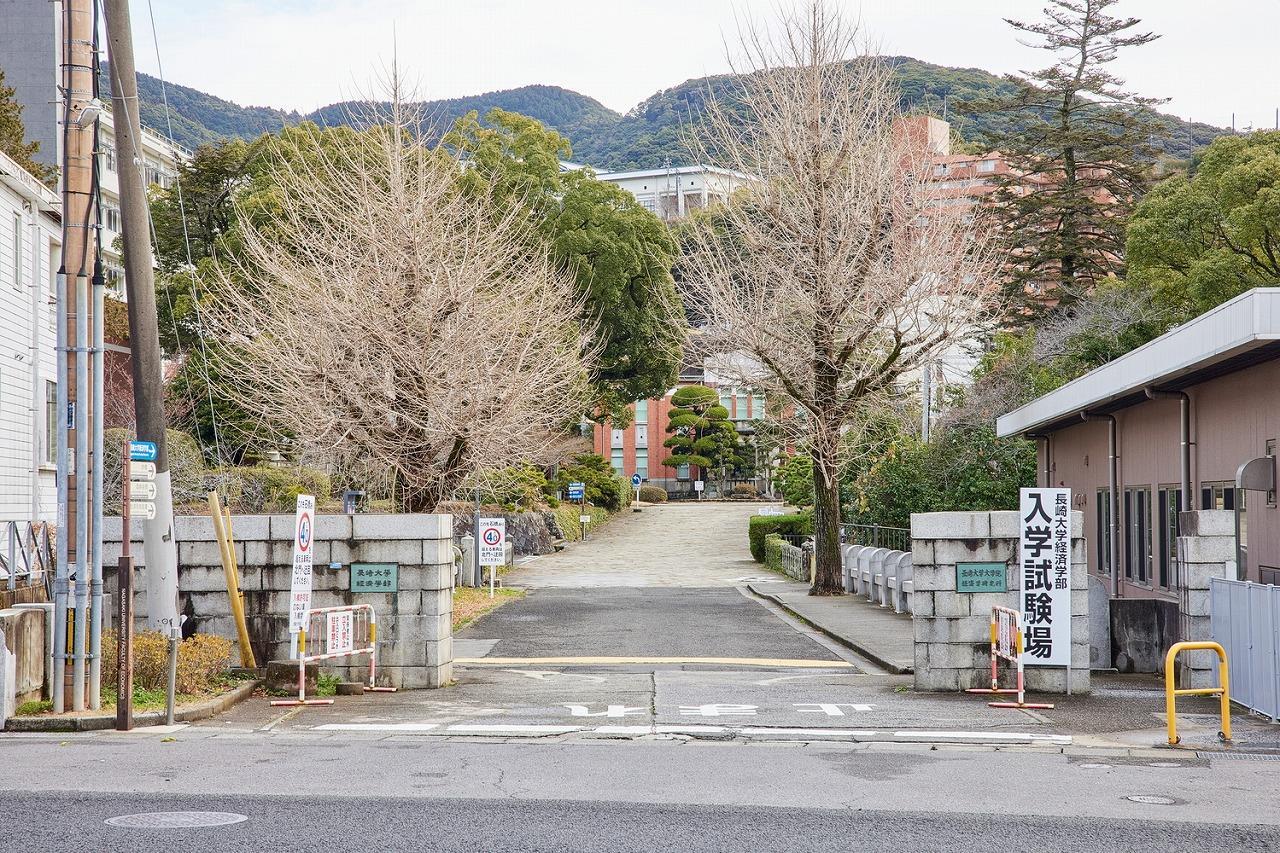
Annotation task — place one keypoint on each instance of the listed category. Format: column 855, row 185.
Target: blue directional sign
column 636, row 480
column 575, row 491
column 142, row 451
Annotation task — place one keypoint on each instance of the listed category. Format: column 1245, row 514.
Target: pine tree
column 702, row 436
column 1079, row 150
column 13, row 136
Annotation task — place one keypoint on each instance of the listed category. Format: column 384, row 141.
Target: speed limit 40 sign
column 493, row 541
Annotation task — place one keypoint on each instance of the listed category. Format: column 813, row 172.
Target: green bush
column 795, row 480
column 567, row 517
column 653, row 494
column 202, row 661
column 518, row 487
column 745, row 492
column 760, row 526
column 268, row 489
column 773, row 552
column 602, row 486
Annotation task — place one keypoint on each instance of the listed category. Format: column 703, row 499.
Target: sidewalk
column 875, row 632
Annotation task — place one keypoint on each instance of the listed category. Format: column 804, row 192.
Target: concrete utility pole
column 160, row 551
column 76, row 396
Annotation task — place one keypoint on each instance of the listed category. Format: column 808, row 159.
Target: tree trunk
column 828, row 579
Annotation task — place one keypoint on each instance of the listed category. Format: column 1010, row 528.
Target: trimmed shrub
column 773, row 552
column 268, row 489
column 202, row 661
column 744, row 492
column 567, row 518
column 760, row 526
column 653, row 494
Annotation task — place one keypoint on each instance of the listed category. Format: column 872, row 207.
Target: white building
column 30, row 253
column 674, row 192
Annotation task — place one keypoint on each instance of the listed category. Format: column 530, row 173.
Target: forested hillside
column 645, row 137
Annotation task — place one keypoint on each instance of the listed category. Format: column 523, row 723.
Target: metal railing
column 799, row 540
column 877, row 536
column 26, row 553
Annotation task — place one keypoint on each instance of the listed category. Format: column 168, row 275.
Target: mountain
column 643, row 138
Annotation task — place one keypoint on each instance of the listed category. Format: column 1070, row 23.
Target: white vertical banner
column 341, row 639
column 1045, row 568
column 303, row 559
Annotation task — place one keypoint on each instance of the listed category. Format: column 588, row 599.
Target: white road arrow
column 611, row 711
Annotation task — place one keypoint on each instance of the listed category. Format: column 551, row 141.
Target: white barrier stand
column 339, row 642
column 1006, row 644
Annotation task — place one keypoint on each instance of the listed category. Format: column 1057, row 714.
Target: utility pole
column 77, row 417
column 926, row 402
column 160, row 551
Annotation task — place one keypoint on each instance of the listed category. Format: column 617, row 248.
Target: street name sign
column 303, row 561
column 1044, row 553
column 142, row 451
column 493, row 541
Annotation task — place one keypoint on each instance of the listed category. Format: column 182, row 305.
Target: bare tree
column 831, row 272
column 385, row 319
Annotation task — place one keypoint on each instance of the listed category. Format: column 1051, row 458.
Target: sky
column 1213, row 58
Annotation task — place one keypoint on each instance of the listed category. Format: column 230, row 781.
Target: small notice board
column 981, row 577
column 375, row 577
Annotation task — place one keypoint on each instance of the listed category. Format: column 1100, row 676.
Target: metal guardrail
column 877, row 536
column 27, row 552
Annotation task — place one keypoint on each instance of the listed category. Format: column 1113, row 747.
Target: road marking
column 544, row 674
column 377, row 727
column 777, row 663
column 292, row 712
column 831, row 709
column 810, row 732
column 473, row 728
column 610, row 711
column 718, row 710
column 764, row 682
column 1009, row 737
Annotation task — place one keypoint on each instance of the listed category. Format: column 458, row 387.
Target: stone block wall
column 415, row 628
column 952, row 629
column 1206, row 550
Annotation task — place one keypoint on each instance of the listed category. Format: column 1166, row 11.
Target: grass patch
column 470, row 603
column 144, row 699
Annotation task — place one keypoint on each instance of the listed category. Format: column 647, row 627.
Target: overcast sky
column 1214, row 58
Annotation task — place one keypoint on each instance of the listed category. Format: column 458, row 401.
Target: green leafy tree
column 701, row 434
column 1194, row 243
column 13, row 136
column 1079, row 147
column 795, row 480
column 620, row 254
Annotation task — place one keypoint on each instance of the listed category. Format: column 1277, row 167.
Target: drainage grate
column 1152, row 800
column 1242, row 756
column 175, row 820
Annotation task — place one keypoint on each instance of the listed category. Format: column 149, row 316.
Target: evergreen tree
column 13, row 136
column 1079, row 148
column 701, row 434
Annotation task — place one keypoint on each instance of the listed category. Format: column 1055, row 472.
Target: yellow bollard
column 1171, row 694
column 226, row 547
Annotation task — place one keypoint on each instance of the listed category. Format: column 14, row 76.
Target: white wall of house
column 29, row 257
column 676, row 192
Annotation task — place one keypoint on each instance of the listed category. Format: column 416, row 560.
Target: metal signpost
column 578, row 492
column 303, row 559
column 492, row 545
column 636, row 480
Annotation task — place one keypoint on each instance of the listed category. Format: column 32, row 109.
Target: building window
column 726, row 400
column 1220, row 495
column 642, row 462
column 51, row 422
column 642, row 411
column 682, row 472
column 108, row 157
column 17, row 251
column 1170, row 506
column 740, row 411
column 940, row 169
column 986, row 165
column 1137, row 534
column 1104, row 532
column 615, row 439
column 757, row 407
column 615, row 459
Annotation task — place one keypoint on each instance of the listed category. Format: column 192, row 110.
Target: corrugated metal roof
column 1249, row 322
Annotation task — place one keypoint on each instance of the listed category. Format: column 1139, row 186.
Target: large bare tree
column 832, row 272
column 384, row 318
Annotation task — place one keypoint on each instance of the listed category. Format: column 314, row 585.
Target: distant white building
column 30, row 253
column 674, row 192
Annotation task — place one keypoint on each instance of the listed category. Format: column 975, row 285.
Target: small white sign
column 698, row 485
column 142, row 470
column 142, row 509
column 585, row 519
column 1045, row 570
column 303, row 560
column 143, row 491
column 340, row 630
column 493, row 541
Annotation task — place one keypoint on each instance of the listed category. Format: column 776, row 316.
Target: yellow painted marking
column 614, row 661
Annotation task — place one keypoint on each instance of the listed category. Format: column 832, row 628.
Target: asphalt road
column 653, row 621
column 348, row 823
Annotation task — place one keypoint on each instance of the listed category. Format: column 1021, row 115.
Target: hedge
column 773, row 552
column 653, row 494
column 760, row 526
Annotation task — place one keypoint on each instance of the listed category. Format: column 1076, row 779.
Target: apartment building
column 673, row 192
column 30, row 254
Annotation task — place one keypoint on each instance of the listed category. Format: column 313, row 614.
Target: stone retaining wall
column 952, row 629
column 415, row 634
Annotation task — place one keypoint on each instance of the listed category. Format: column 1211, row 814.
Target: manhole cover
column 175, row 820
column 1152, row 800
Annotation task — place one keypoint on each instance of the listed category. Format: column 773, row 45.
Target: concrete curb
column 874, row 657
column 99, row 722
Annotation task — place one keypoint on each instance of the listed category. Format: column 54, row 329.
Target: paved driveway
column 674, row 545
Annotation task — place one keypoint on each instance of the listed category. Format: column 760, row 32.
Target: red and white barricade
column 332, row 633
column 1006, row 644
